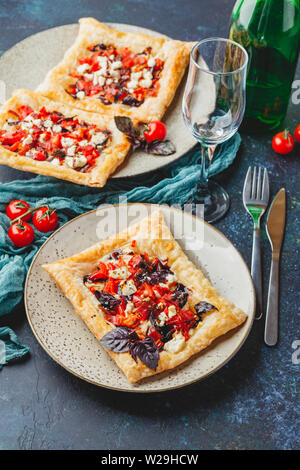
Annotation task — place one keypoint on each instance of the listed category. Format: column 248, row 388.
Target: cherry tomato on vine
column 156, row 131
column 17, row 208
column 297, row 133
column 21, row 234
column 283, row 143
column 45, row 219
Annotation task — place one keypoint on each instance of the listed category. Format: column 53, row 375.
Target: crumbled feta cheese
column 114, row 73
column 71, row 151
column 120, row 273
column 56, row 128
column 55, row 161
column 146, row 83
column 151, row 62
column 47, row 123
column 67, row 141
column 116, row 65
column 101, row 80
column 129, row 307
column 128, row 287
column 109, row 81
column 26, row 125
column 27, row 140
column 69, row 161
column 82, row 143
column 80, row 95
column 162, row 317
column 82, row 68
column 132, row 85
column 37, row 122
column 171, row 278
column 161, row 305
column 79, row 161
column 98, row 139
column 89, row 76
column 176, row 344
column 43, row 137
column 135, row 76
column 102, row 61
column 172, row 311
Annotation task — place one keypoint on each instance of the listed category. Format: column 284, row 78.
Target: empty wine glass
column 213, row 108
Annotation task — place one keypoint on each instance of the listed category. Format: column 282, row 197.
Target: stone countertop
column 253, row 402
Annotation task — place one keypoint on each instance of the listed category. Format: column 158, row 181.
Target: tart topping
column 48, row 135
column 150, row 309
column 116, row 75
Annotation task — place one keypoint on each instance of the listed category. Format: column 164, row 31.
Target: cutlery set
column 256, row 199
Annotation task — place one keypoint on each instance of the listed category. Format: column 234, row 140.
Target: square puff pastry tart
column 102, row 162
column 180, row 293
column 141, row 63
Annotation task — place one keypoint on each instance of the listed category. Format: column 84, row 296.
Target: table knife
column 275, row 229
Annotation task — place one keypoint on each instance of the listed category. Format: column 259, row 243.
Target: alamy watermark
column 296, row 93
column 296, row 353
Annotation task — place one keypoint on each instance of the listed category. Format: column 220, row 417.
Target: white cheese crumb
column 55, row 161
column 129, row 307
column 98, row 139
column 116, row 65
column 176, row 344
column 80, row 95
column 128, row 287
column 120, row 273
column 71, row 151
column 171, row 278
column 56, row 128
column 162, row 317
column 79, row 161
column 146, row 83
column 82, row 143
column 82, row 68
column 151, row 62
column 172, row 311
column 27, row 140
column 47, row 123
column 67, row 141
column 109, row 81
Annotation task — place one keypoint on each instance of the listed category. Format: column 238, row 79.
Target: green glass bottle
column 270, row 32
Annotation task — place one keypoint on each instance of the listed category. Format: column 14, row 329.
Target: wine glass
column 213, row 108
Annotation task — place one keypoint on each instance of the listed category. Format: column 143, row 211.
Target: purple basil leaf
column 160, row 147
column 125, row 125
column 117, row 340
column 131, row 101
column 204, row 307
column 107, row 301
column 180, row 295
column 146, row 350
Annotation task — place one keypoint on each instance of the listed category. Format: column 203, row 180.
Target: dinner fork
column 255, row 199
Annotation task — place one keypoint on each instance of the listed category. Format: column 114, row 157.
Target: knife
column 275, row 230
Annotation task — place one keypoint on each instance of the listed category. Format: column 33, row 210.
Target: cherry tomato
column 17, row 208
column 156, row 131
column 283, row 143
column 45, row 219
column 297, row 133
column 21, row 234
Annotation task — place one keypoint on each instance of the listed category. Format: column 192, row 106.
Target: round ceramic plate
column 26, row 64
column 68, row 341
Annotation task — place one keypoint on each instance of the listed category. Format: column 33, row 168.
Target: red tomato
column 21, row 234
column 40, row 156
column 156, row 131
column 17, row 208
column 283, row 143
column 24, row 111
column 45, row 219
column 297, row 133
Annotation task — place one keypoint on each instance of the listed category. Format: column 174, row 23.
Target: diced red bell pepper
column 9, row 139
column 24, row 111
column 40, row 156
column 111, row 286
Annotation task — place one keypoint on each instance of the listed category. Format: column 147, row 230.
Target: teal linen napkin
column 174, row 184
column 10, row 346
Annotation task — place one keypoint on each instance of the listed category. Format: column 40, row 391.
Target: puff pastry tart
column 50, row 138
column 118, row 72
column 142, row 298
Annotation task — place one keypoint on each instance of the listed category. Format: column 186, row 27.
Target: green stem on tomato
column 32, row 209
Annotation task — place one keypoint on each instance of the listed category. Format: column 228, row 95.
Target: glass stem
column 207, row 156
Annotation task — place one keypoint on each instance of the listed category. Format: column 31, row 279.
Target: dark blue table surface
column 253, row 402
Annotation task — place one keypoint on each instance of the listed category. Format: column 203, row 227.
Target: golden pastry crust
column 174, row 53
column 154, row 237
column 106, row 164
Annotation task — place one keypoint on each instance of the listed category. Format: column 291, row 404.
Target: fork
column 255, row 199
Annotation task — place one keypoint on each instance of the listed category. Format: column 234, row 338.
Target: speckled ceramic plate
column 69, row 342
column 26, row 64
